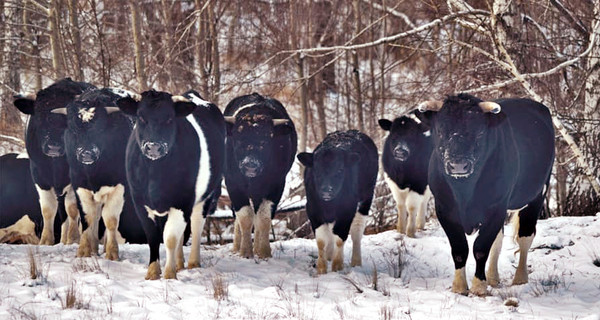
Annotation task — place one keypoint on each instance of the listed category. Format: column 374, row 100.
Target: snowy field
column 401, row 278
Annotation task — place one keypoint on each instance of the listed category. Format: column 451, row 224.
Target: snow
column 414, row 277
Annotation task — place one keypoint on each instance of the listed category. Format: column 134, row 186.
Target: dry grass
column 73, row 298
column 549, row 284
column 220, row 288
column 87, row 265
column 35, row 273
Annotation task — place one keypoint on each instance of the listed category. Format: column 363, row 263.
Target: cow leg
column 237, row 236
column 262, row 228
column 422, row 213
column 338, row 255
column 527, row 219
column 244, row 218
column 488, row 233
column 460, row 251
column 414, row 202
column 492, row 273
column 88, row 244
column 324, row 238
column 172, row 236
column 72, row 232
column 400, row 198
column 197, row 225
column 153, row 237
column 357, row 228
column 113, row 200
column 49, row 205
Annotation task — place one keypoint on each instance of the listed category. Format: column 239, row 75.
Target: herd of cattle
column 151, row 166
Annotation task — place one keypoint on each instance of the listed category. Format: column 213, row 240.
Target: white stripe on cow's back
column 198, row 101
column 203, row 177
column 23, row 155
column 246, row 106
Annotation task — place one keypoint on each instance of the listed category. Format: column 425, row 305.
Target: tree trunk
column 215, row 55
column 53, row 24
column 140, row 66
column 74, row 20
column 356, row 70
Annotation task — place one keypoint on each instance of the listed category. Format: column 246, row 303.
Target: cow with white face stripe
column 174, row 165
column 49, row 167
column 95, row 143
column 261, row 145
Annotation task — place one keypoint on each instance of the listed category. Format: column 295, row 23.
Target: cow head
column 405, row 135
column 87, row 120
column 461, row 126
column 253, row 136
column 157, row 114
column 329, row 169
column 50, row 126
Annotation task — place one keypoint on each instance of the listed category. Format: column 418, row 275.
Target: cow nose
column 54, row 150
column 88, row 155
column 459, row 166
column 401, row 153
column 153, row 150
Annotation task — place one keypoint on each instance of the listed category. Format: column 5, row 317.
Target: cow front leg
column 172, row 235
column 324, row 238
column 525, row 228
column 197, row 226
column 399, row 196
column 492, row 273
column 337, row 263
column 114, row 199
column 356, row 232
column 88, row 244
column 460, row 251
column 422, row 213
column 488, row 233
column 413, row 207
column 262, row 227
column 72, row 232
column 244, row 218
column 48, row 205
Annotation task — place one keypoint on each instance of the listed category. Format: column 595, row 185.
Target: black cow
column 175, row 158
column 405, row 162
column 261, row 145
column 488, row 157
column 45, row 147
column 95, row 143
column 18, row 197
column 339, row 178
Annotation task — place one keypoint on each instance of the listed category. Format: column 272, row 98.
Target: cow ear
column 128, row 105
column 354, row 157
column 183, row 109
column 281, row 128
column 24, row 105
column 495, row 119
column 305, row 158
column 385, row 124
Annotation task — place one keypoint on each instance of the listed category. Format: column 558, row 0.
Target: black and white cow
column 18, row 196
column 405, row 162
column 45, row 147
column 339, row 179
column 95, row 142
column 175, row 158
column 261, row 145
column 488, row 157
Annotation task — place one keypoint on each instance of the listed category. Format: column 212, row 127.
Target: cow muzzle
column 88, row 155
column 326, row 193
column 459, row 167
column 53, row 149
column 401, row 152
column 251, row 167
column 154, row 150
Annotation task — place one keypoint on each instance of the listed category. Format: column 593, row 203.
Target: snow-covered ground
column 413, row 281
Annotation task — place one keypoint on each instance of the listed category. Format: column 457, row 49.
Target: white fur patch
column 198, row 101
column 23, row 155
column 203, row 176
column 153, row 213
column 246, row 106
column 86, row 115
column 325, row 233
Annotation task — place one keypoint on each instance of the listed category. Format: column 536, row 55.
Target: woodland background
column 335, row 64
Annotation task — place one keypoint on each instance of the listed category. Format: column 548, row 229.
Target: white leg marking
column 492, row 273
column 356, row 232
column 92, row 212
column 400, row 198
column 459, row 285
column 49, row 205
column 324, row 237
column 422, row 214
column 521, row 275
column 338, row 256
column 172, row 234
column 479, row 287
column 203, row 176
column 244, row 219
column 414, row 202
column 262, row 228
column 113, row 199
column 197, row 226
column 237, row 235
column 72, row 224
column 22, row 231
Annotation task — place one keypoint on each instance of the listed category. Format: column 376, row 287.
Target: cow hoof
column 112, row 255
column 321, row 266
column 264, row 253
column 47, row 240
column 337, row 266
column 518, row 281
column 410, row 234
column 246, row 253
column 479, row 287
column 193, row 264
column 180, row 265
column 153, row 272
column 356, row 262
column 493, row 282
column 170, row 273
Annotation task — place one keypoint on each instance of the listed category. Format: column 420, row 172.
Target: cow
column 95, row 142
column 488, row 157
column 339, row 179
column 405, row 162
column 260, row 149
column 174, row 164
column 19, row 198
column 49, row 167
